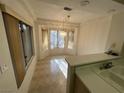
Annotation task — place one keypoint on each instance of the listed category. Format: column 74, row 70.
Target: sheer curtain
column 45, row 39
column 71, row 39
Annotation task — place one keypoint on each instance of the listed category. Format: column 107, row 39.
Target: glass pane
column 27, row 42
column 45, row 39
column 61, row 39
column 71, row 39
column 53, row 39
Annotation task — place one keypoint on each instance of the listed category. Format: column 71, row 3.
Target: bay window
column 57, row 39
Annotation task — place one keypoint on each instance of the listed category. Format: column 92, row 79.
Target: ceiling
column 53, row 9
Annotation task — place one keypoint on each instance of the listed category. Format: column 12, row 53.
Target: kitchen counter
column 93, row 82
column 77, row 61
column 88, row 59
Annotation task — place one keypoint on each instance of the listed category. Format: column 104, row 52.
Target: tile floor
column 49, row 76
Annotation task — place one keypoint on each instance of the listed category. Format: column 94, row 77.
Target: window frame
column 66, row 41
column 32, row 43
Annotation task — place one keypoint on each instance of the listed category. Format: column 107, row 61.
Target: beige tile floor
column 48, row 77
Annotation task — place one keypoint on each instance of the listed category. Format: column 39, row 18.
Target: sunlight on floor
column 61, row 63
column 50, row 76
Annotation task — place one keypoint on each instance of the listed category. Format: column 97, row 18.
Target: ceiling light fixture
column 66, row 16
column 67, row 9
column 67, row 13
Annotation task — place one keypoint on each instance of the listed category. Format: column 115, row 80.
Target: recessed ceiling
column 53, row 9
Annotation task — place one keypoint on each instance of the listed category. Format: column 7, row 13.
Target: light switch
column 0, row 71
column 3, row 68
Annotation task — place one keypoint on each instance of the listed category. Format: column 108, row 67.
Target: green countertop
column 93, row 82
column 88, row 59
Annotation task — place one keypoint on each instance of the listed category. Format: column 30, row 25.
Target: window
column 26, row 36
column 61, row 39
column 53, row 39
column 57, row 39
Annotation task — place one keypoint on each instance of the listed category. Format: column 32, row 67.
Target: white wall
column 20, row 8
column 116, row 34
column 7, row 80
column 93, row 35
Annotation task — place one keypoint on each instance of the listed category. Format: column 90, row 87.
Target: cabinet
column 15, row 46
column 80, row 87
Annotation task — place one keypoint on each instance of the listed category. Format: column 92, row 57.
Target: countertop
column 88, row 59
column 93, row 82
